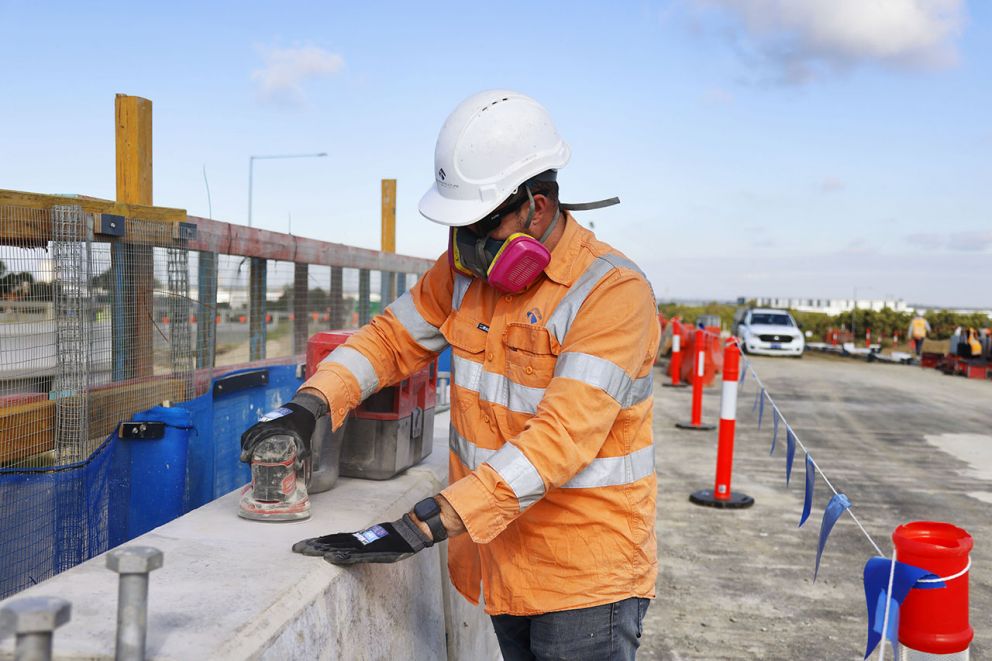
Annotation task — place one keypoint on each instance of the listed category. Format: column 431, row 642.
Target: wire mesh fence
column 97, row 326
column 90, row 332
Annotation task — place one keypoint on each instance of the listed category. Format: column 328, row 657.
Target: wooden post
column 389, row 215
column 256, row 308
column 387, row 288
column 364, row 290
column 133, row 265
column 336, row 320
column 301, row 308
column 206, row 311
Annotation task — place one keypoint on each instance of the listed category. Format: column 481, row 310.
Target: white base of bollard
column 907, row 654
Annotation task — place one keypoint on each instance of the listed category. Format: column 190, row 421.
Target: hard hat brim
column 453, row 213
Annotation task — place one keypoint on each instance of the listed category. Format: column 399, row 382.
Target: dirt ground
column 905, row 444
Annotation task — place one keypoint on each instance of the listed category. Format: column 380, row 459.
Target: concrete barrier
column 232, row 589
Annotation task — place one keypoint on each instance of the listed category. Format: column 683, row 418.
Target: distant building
column 833, row 306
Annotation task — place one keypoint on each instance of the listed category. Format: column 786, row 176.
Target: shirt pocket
column 468, row 346
column 530, row 357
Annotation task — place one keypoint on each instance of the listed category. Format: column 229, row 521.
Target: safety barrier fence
column 108, row 310
column 920, row 601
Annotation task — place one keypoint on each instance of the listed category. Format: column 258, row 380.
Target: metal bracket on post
column 108, row 224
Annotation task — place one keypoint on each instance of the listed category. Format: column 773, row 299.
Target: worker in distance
column 551, row 498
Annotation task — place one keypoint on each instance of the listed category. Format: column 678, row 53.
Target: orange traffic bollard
column 720, row 495
column 698, row 369
column 675, row 366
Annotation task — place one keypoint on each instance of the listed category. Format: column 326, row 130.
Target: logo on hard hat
column 441, row 174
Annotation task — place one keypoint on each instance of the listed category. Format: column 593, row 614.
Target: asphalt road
column 905, row 444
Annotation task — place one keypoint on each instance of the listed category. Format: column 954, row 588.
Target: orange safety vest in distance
column 919, row 327
column 551, row 463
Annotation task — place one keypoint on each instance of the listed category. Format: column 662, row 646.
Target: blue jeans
column 608, row 632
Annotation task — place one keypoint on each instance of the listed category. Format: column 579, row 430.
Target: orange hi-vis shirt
column 551, row 463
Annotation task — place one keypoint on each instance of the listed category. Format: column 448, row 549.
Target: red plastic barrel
column 936, row 620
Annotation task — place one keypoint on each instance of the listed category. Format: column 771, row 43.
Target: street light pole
column 251, row 171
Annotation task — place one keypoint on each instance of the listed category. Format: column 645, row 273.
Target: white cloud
column 832, row 185
column 718, row 96
column 286, row 69
column 969, row 241
column 802, row 39
column 961, row 241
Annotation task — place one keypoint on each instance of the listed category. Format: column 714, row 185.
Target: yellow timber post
column 133, row 264
column 388, row 288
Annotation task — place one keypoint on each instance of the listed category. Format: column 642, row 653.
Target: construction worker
column 918, row 329
column 551, row 497
column 974, row 343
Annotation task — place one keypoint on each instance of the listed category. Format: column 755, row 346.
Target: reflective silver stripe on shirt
column 615, row 471
column 605, row 375
column 461, row 285
column 468, row 452
column 356, row 363
column 519, row 474
column 561, row 319
column 601, row 472
column 494, row 388
column 423, row 332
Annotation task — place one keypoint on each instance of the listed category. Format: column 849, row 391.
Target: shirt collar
column 563, row 257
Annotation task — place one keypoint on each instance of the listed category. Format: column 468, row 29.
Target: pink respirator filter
column 518, row 264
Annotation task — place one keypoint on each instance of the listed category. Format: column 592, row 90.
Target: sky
column 808, row 148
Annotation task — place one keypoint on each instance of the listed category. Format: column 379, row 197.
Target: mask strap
column 530, row 211
column 480, row 251
column 586, row 206
column 551, row 225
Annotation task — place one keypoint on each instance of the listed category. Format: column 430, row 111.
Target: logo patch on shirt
column 534, row 315
column 483, row 328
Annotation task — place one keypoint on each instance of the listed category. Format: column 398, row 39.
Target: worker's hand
column 384, row 542
column 297, row 418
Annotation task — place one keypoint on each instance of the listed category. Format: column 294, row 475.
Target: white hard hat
column 492, row 142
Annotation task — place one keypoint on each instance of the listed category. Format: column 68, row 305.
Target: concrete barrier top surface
column 229, row 587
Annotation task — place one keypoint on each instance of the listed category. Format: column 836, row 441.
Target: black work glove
column 297, row 418
column 384, row 542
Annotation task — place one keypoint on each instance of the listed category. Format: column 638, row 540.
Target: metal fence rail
column 95, row 326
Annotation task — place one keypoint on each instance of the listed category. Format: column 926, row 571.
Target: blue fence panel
column 237, row 408
column 149, row 475
column 52, row 519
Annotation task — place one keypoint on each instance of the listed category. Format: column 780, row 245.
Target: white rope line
column 888, row 602
column 944, row 579
column 816, row 467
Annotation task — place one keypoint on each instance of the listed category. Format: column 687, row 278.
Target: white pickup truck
column 770, row 332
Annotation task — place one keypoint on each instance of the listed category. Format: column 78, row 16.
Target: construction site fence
column 110, row 310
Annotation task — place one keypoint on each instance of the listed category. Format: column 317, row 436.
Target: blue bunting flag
column 834, row 509
column 743, row 372
column 761, row 407
column 904, row 578
column 774, row 431
column 790, row 453
column 810, row 479
column 757, row 396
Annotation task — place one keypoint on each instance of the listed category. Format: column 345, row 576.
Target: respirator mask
column 511, row 264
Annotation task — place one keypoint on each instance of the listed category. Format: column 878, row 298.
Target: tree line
column 883, row 323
